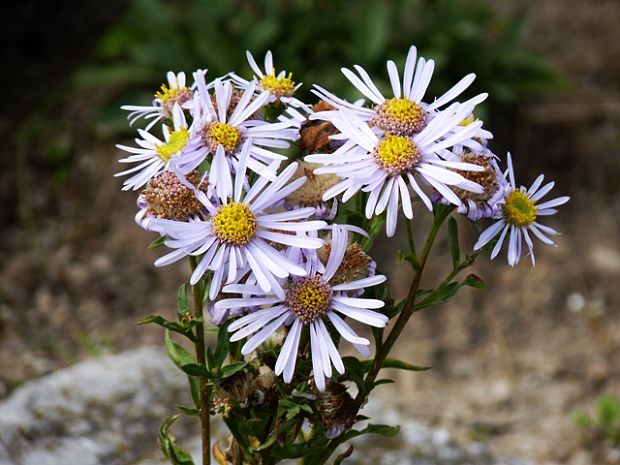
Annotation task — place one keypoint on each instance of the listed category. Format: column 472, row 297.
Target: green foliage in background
column 314, row 39
column 603, row 427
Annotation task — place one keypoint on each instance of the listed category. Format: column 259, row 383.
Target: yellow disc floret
column 399, row 116
column 519, row 209
column 470, row 119
column 176, row 142
column 234, row 223
column 309, row 298
column 222, row 134
column 278, row 86
column 396, row 154
column 167, row 94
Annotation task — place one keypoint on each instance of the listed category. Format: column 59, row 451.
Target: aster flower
column 312, row 302
column 154, row 155
column 224, row 125
column 405, row 113
column 382, row 165
column 235, row 237
column 518, row 217
column 280, row 86
column 175, row 93
column 477, row 205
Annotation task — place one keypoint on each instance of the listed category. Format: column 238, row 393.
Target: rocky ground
column 103, row 412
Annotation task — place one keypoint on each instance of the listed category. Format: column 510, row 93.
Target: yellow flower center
column 281, row 87
column 396, row 154
column 176, row 142
column 470, row 119
column 519, row 209
column 222, row 134
column 171, row 95
column 234, row 223
column 309, row 298
column 399, row 116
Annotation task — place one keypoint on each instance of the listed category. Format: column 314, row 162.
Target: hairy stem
column 205, row 389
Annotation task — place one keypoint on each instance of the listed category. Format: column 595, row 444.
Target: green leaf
column 473, row 281
column 385, row 430
column 177, row 455
column 188, row 410
column 229, row 370
column 194, row 388
column 223, row 345
column 379, row 382
column 182, row 358
column 455, row 250
column 444, row 293
column 170, row 325
column 401, row 365
column 182, row 301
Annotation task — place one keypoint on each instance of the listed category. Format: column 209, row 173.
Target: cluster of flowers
column 211, row 186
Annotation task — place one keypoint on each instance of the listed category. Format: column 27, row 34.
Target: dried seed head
column 314, row 134
column 487, row 178
column 336, row 408
column 167, row 198
column 356, row 264
column 311, row 192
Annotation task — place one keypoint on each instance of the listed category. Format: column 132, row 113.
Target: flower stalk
column 204, row 410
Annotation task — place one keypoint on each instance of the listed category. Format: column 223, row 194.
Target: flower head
column 312, row 302
column 174, row 93
column 388, row 165
column 222, row 131
column 235, row 236
column 518, row 216
column 493, row 182
column 153, row 155
column 405, row 113
column 279, row 85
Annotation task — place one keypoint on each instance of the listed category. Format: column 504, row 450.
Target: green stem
column 205, row 388
column 406, row 313
column 441, row 213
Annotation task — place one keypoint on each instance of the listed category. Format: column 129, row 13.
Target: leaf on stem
column 169, row 325
column 176, row 454
column 385, row 430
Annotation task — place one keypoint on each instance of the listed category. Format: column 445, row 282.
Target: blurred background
column 529, row 366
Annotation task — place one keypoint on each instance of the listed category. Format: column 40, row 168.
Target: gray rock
column 103, row 411
column 106, row 411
